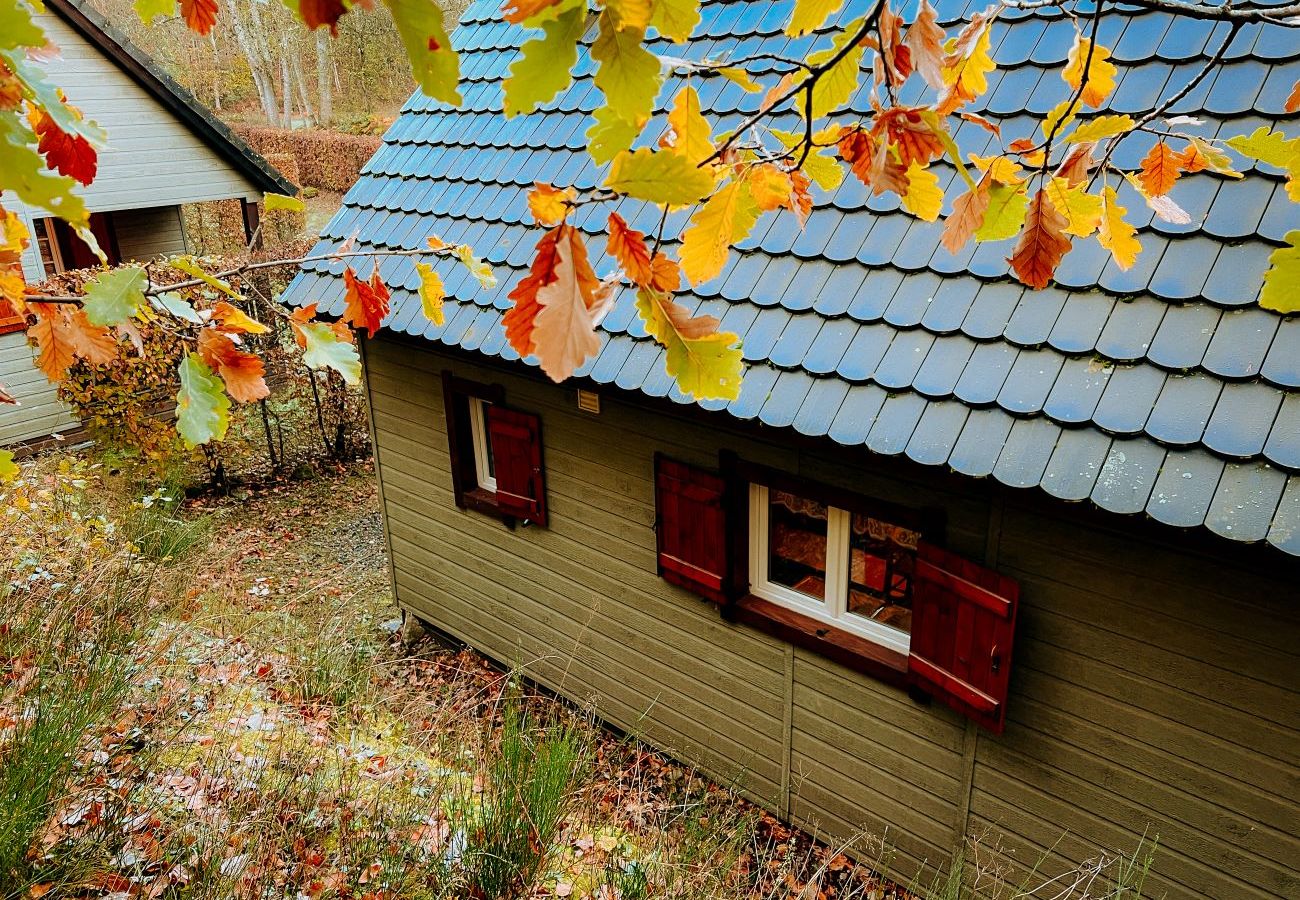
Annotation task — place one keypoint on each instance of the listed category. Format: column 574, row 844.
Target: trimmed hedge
column 325, row 159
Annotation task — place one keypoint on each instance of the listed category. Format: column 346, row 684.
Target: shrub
column 325, row 159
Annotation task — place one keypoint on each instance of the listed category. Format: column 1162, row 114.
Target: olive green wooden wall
column 1153, row 690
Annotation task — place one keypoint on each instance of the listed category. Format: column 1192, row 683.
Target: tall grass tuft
column 507, row 822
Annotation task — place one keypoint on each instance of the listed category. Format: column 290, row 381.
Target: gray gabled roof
column 1163, row 390
column 91, row 25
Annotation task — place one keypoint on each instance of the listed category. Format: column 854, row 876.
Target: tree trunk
column 250, row 47
column 295, row 67
column 324, row 87
column 285, row 93
column 216, row 72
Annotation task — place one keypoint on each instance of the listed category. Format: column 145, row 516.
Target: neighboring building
column 164, row 149
column 1117, row 456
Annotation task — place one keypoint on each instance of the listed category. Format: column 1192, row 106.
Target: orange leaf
column 1160, row 169
column 300, row 317
column 991, row 127
column 316, row 13
column 549, row 205
column 913, row 138
column 517, row 11
column 63, row 334
column 857, row 149
column 564, row 331
column 1077, row 163
column 243, row 372
column 69, row 154
column 1042, row 243
column 200, row 15
column 967, row 216
column 800, row 197
column 520, row 319
column 367, row 302
column 666, row 274
column 11, row 89
column 1293, row 101
column 629, row 248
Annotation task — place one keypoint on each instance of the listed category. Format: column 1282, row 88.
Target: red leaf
column 520, row 318
column 910, row 134
column 316, row 13
column 629, row 248
column 1293, row 101
column 63, row 334
column 1042, row 243
column 243, row 372
column 367, row 302
column 69, row 154
column 200, row 15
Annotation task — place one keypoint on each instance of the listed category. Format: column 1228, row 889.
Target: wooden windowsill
column 849, row 650
column 8, row 326
column 481, row 500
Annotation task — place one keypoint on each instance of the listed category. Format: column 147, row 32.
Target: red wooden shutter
column 516, row 440
column 691, row 528
column 963, row 623
column 10, row 320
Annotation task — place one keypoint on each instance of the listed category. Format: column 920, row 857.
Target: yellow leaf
column 1091, row 62
column 1099, row 128
column 771, row 187
column 549, row 206
column 1271, row 147
column 692, row 135
column 1117, row 235
column 737, row 75
column 705, row 362
column 481, row 271
column 838, row 83
column 967, row 66
column 630, row 13
column 1002, row 169
column 629, row 74
column 1282, row 280
column 281, row 201
column 1059, row 118
column 1005, row 213
column 1081, row 209
column 727, row 217
column 825, row 171
column 923, row 199
column 190, row 266
column 8, row 468
column 809, row 15
column 1201, row 155
column 431, row 293
column 658, row 177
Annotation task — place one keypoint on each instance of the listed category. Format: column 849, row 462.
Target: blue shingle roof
column 1163, row 389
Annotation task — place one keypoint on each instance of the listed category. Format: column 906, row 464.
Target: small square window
column 850, row 570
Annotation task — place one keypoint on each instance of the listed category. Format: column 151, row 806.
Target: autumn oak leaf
column 367, row 301
column 1042, row 243
column 316, row 13
column 232, row 318
column 1089, row 67
column 549, row 206
column 564, row 329
column 628, row 246
column 199, row 15
column 68, row 154
column 244, row 373
column 202, row 407
column 1160, row 169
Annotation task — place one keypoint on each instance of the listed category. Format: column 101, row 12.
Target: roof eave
column 91, row 25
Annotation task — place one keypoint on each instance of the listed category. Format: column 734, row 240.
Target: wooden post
column 252, row 224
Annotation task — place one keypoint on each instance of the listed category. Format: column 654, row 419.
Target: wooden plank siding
column 40, row 412
column 1154, row 689
column 152, row 158
column 146, row 234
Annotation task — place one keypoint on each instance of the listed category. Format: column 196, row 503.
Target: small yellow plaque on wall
column 589, row 401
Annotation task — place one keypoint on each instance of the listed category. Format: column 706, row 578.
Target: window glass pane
column 797, row 543
column 484, row 464
column 882, row 560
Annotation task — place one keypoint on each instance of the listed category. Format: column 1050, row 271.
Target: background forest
column 260, row 66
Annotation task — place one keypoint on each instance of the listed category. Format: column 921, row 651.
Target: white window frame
column 832, row 611
column 482, row 445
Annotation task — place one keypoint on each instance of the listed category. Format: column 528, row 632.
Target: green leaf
column 1005, row 215
column 675, row 19
column 1282, row 280
column 834, row 88
column 202, row 407
column 629, row 74
column 544, row 68
column 326, row 350
column 115, row 296
column 8, row 468
column 1271, row 147
column 148, row 10
column 283, row 201
column 46, row 94
column 18, row 27
column 658, row 177
column 176, row 305
column 610, row 135
column 434, row 63
column 809, row 15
